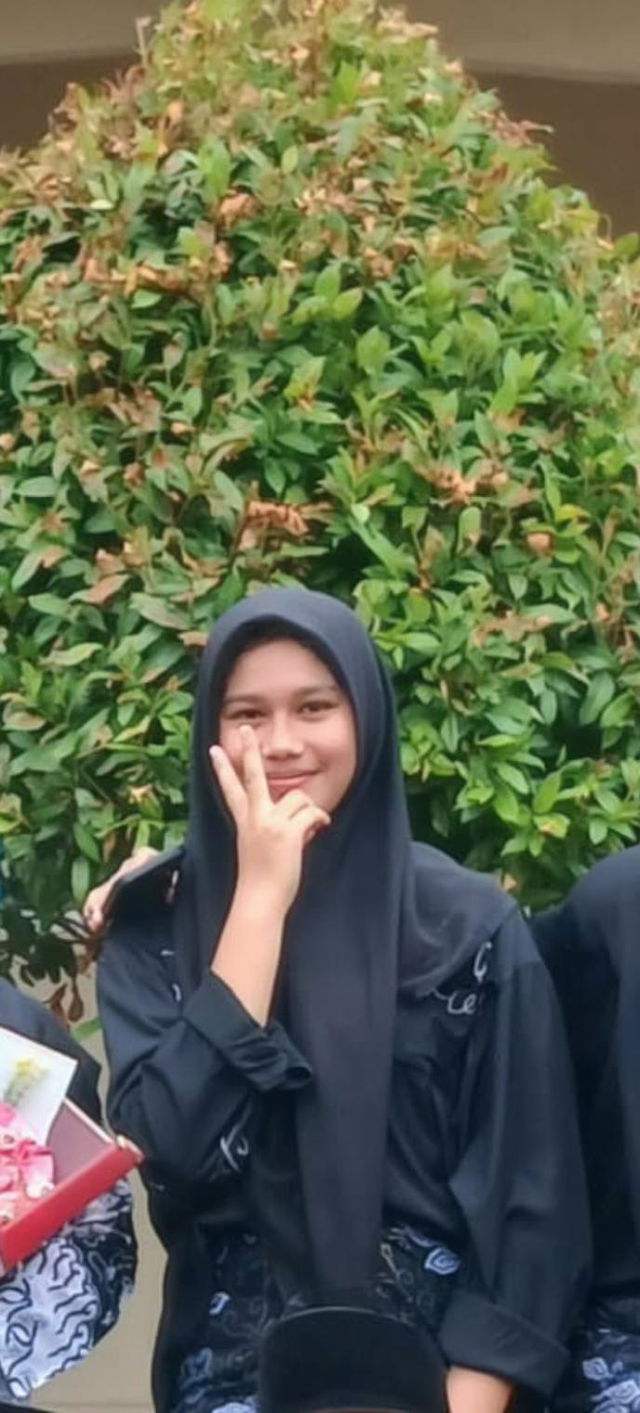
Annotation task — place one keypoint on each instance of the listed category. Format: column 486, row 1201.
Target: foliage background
column 293, row 300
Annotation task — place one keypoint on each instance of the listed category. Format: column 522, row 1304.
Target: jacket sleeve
column 186, row 1075
column 518, row 1179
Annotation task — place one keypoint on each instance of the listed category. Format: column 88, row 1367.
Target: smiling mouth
column 288, row 782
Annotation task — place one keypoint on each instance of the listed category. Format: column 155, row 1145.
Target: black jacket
column 591, row 944
column 483, row 1143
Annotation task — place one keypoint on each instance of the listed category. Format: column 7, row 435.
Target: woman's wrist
column 472, row 1391
column 258, row 902
column 248, row 954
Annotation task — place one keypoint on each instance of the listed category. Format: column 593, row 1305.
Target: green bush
column 293, row 301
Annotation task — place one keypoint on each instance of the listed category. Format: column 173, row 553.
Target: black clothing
column 591, row 944
column 483, row 1154
column 366, row 913
column 415, row 1069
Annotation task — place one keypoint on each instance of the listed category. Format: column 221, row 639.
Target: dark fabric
column 604, row 1372
column 591, row 944
column 482, row 1168
column 338, row 1358
column 28, row 1017
column 362, row 915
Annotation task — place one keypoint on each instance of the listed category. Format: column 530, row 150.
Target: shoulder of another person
column 28, row 1017
column 615, row 879
column 603, row 908
column 147, row 893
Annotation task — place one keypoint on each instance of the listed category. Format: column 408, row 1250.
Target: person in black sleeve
column 338, row 1049
column 57, row 1305
column 591, row 943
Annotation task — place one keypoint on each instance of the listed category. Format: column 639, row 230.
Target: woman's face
column 302, row 719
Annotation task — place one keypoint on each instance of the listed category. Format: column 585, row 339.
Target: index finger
column 252, row 768
column 228, row 781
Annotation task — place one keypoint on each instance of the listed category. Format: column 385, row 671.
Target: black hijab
column 367, row 925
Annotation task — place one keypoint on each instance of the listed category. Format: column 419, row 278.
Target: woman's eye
column 244, row 714
column 316, row 708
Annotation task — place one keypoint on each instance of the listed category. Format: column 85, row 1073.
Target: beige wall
column 579, row 37
column 574, row 64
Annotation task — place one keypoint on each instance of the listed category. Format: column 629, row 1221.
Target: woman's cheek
column 230, row 742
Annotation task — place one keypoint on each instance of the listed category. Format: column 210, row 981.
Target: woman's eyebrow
column 307, row 691
column 242, row 697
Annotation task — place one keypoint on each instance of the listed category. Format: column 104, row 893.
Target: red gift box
column 87, row 1163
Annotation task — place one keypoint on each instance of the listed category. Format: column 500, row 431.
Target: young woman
column 338, row 1049
column 58, row 1304
column 592, row 946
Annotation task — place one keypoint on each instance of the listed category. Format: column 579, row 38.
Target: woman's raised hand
column 271, row 836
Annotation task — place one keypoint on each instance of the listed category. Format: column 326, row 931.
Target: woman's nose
column 281, row 737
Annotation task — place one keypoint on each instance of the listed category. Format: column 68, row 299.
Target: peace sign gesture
column 271, row 836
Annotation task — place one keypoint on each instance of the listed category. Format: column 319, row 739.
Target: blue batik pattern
column 414, row 1284
column 55, row 1306
column 604, row 1373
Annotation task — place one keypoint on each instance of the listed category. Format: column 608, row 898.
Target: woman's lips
column 281, row 784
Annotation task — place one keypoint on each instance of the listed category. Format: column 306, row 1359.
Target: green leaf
column 619, row 711
column 305, row 379
column 548, row 704
column 372, row 351
column 214, row 164
column 50, row 604
column 346, row 303
column 38, row 487
column 229, row 491
column 599, row 693
column 328, row 282
column 86, row 842
column 73, row 656
column 469, row 526
column 506, row 805
column 80, row 880
column 423, row 643
column 289, row 160
column 598, row 830
column 513, row 777
column 192, row 403
column 86, row 1029
column 22, row 373
column 547, row 793
column 159, row 612
column 41, row 759
column 26, row 569
column 450, row 734
column 555, row 825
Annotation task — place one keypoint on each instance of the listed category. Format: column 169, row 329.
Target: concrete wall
column 583, row 38
column 574, row 65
